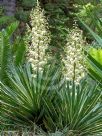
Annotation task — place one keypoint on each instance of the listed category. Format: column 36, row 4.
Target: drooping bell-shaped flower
column 74, row 60
column 39, row 36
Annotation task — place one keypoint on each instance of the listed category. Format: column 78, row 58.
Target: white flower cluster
column 74, row 59
column 40, row 38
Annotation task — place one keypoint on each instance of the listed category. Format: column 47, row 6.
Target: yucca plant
column 22, row 101
column 76, row 107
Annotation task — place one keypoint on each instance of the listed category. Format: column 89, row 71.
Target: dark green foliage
column 22, row 15
column 24, row 97
column 58, row 23
column 5, row 50
column 23, row 9
column 19, row 54
column 6, row 21
column 90, row 12
column 97, row 38
column 75, row 107
column 7, row 54
column 28, row 3
column 54, row 105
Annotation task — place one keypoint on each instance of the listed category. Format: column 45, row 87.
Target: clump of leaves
column 76, row 107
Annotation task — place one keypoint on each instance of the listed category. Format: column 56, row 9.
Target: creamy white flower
column 74, row 66
column 39, row 38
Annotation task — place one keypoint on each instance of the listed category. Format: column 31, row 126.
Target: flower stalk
column 74, row 60
column 39, row 37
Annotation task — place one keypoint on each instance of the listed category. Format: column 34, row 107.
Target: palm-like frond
column 5, row 55
column 11, row 29
column 6, row 50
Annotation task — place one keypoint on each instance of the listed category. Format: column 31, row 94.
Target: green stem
column 37, row 2
column 74, row 72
